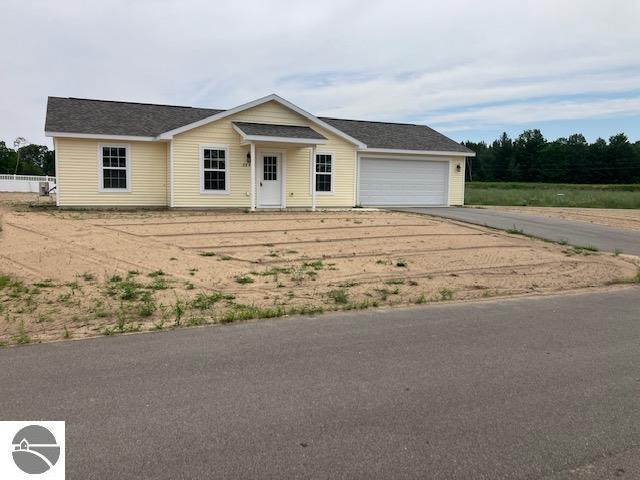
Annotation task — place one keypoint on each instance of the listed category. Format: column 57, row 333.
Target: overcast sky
column 470, row 69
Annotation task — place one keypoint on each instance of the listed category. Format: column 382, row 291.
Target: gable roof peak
column 268, row 98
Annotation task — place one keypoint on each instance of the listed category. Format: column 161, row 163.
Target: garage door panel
column 390, row 181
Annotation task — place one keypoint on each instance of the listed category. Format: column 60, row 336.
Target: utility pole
column 17, row 143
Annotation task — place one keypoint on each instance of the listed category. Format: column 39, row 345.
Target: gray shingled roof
column 397, row 136
column 103, row 117
column 271, row 130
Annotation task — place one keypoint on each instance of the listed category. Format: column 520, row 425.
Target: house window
column 270, row 168
column 324, row 172
column 215, row 169
column 114, row 168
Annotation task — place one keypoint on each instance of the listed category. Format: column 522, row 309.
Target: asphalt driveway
column 523, row 388
column 576, row 233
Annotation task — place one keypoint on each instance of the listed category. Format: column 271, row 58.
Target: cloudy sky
column 470, row 69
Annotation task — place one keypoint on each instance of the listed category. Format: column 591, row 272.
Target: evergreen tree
column 530, row 158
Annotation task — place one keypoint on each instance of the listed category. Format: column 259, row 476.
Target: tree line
column 28, row 159
column 531, row 158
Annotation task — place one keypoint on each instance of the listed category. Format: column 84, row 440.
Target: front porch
column 271, row 149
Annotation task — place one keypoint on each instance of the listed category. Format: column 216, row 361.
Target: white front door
column 270, row 180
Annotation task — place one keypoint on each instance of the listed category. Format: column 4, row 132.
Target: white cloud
column 388, row 60
column 524, row 112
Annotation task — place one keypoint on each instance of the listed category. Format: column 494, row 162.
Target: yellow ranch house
column 265, row 154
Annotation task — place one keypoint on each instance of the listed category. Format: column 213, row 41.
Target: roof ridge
column 138, row 103
column 376, row 121
column 222, row 110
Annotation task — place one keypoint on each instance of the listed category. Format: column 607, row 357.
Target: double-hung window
column 324, row 173
column 214, row 165
column 114, row 168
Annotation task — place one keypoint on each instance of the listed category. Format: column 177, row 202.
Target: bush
column 339, row 296
column 244, row 279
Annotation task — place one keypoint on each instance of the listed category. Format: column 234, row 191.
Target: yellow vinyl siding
column 456, row 181
column 186, row 160
column 78, row 178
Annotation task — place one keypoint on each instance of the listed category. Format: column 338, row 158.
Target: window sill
column 214, row 192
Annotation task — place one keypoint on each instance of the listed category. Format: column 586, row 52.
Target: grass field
column 552, row 195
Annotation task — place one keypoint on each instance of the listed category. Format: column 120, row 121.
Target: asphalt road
column 576, row 233
column 524, row 388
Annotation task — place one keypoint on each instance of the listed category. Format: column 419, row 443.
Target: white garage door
column 393, row 182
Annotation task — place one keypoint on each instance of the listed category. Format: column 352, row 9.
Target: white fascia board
column 303, row 141
column 101, row 137
column 240, row 132
column 255, row 103
column 417, row 152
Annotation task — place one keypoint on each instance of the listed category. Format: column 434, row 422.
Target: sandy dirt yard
column 612, row 217
column 72, row 274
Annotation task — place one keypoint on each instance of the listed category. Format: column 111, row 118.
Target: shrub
column 339, row 296
column 243, row 279
column 317, row 265
column 147, row 307
column 159, row 284
column 129, row 290
column 202, row 301
column 178, row 310
column 446, row 294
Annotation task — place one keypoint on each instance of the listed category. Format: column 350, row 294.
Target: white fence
column 24, row 183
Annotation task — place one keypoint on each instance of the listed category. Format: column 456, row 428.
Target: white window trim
column 127, row 148
column 227, row 169
column 333, row 173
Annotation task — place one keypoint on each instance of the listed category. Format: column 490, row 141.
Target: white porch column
column 253, row 177
column 312, row 180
